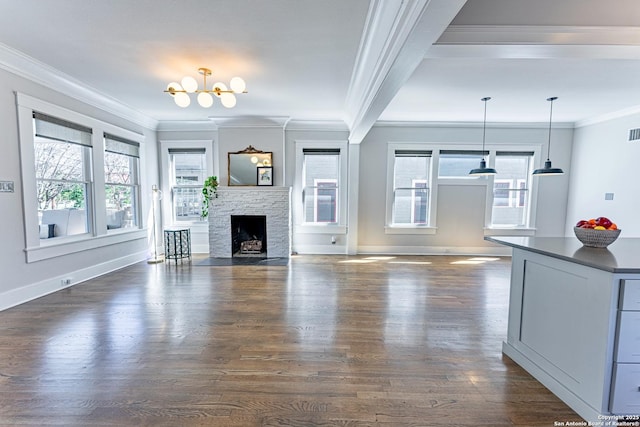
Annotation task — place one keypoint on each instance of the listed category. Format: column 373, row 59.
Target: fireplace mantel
column 272, row 202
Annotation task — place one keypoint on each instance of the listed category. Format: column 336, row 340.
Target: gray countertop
column 622, row 256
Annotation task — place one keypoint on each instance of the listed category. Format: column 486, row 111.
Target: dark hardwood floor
column 324, row 341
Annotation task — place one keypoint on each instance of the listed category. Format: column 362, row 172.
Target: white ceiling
column 355, row 61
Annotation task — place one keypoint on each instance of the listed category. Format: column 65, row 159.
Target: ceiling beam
column 537, row 42
column 395, row 39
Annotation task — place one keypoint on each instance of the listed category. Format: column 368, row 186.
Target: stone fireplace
column 246, row 208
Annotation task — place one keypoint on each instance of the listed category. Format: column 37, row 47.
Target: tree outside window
column 121, row 165
column 59, row 174
column 62, row 153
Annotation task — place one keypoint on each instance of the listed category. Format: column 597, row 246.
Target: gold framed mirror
column 242, row 165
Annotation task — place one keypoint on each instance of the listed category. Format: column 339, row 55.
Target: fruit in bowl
column 596, row 232
column 600, row 223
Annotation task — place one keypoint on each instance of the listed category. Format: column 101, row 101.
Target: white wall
column 21, row 281
column 461, row 208
column 604, row 162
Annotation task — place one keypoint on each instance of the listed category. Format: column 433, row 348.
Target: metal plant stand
column 177, row 244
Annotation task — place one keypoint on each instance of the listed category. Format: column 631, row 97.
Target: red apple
column 603, row 221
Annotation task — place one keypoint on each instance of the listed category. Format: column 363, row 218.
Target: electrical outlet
column 65, row 282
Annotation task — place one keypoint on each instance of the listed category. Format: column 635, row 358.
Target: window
column 65, row 180
column 319, row 194
column 501, row 193
column 326, row 200
column 122, row 178
column 418, row 172
column 511, row 195
column 410, row 200
column 188, row 171
column 321, row 177
column 523, row 192
column 458, row 163
column 62, row 153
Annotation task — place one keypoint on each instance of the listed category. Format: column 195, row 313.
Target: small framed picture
column 265, row 175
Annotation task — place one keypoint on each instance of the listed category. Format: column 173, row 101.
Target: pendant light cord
column 550, row 116
column 484, row 124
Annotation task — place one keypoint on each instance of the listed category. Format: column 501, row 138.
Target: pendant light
column 548, row 170
column 483, row 170
column 180, row 91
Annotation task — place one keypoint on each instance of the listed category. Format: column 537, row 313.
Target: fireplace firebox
column 249, row 236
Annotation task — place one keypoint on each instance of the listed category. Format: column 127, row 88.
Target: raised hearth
column 271, row 202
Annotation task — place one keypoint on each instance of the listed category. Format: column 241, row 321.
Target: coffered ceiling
column 351, row 61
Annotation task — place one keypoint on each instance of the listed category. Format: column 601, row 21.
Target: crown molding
column 186, row 126
column 609, row 116
column 251, row 121
column 318, row 125
column 29, row 68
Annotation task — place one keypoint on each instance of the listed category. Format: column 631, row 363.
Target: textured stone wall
column 272, row 202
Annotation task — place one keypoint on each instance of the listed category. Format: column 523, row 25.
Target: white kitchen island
column 574, row 322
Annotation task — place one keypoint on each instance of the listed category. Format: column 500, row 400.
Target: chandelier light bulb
column 189, row 84
column 237, row 85
column 228, row 100
column 182, row 99
column 205, row 100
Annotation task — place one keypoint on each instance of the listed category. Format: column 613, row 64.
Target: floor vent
column 634, row 135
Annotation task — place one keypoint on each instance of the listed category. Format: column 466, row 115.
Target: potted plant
column 209, row 192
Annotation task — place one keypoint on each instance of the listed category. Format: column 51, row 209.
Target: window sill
column 509, row 231
column 121, row 230
column 409, row 229
column 60, row 246
column 320, row 229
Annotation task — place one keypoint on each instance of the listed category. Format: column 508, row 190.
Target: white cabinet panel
column 626, row 390
column 631, row 295
column 628, row 337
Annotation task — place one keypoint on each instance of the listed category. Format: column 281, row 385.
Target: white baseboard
column 435, row 250
column 404, row 250
column 200, row 248
column 30, row 292
column 320, row 249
